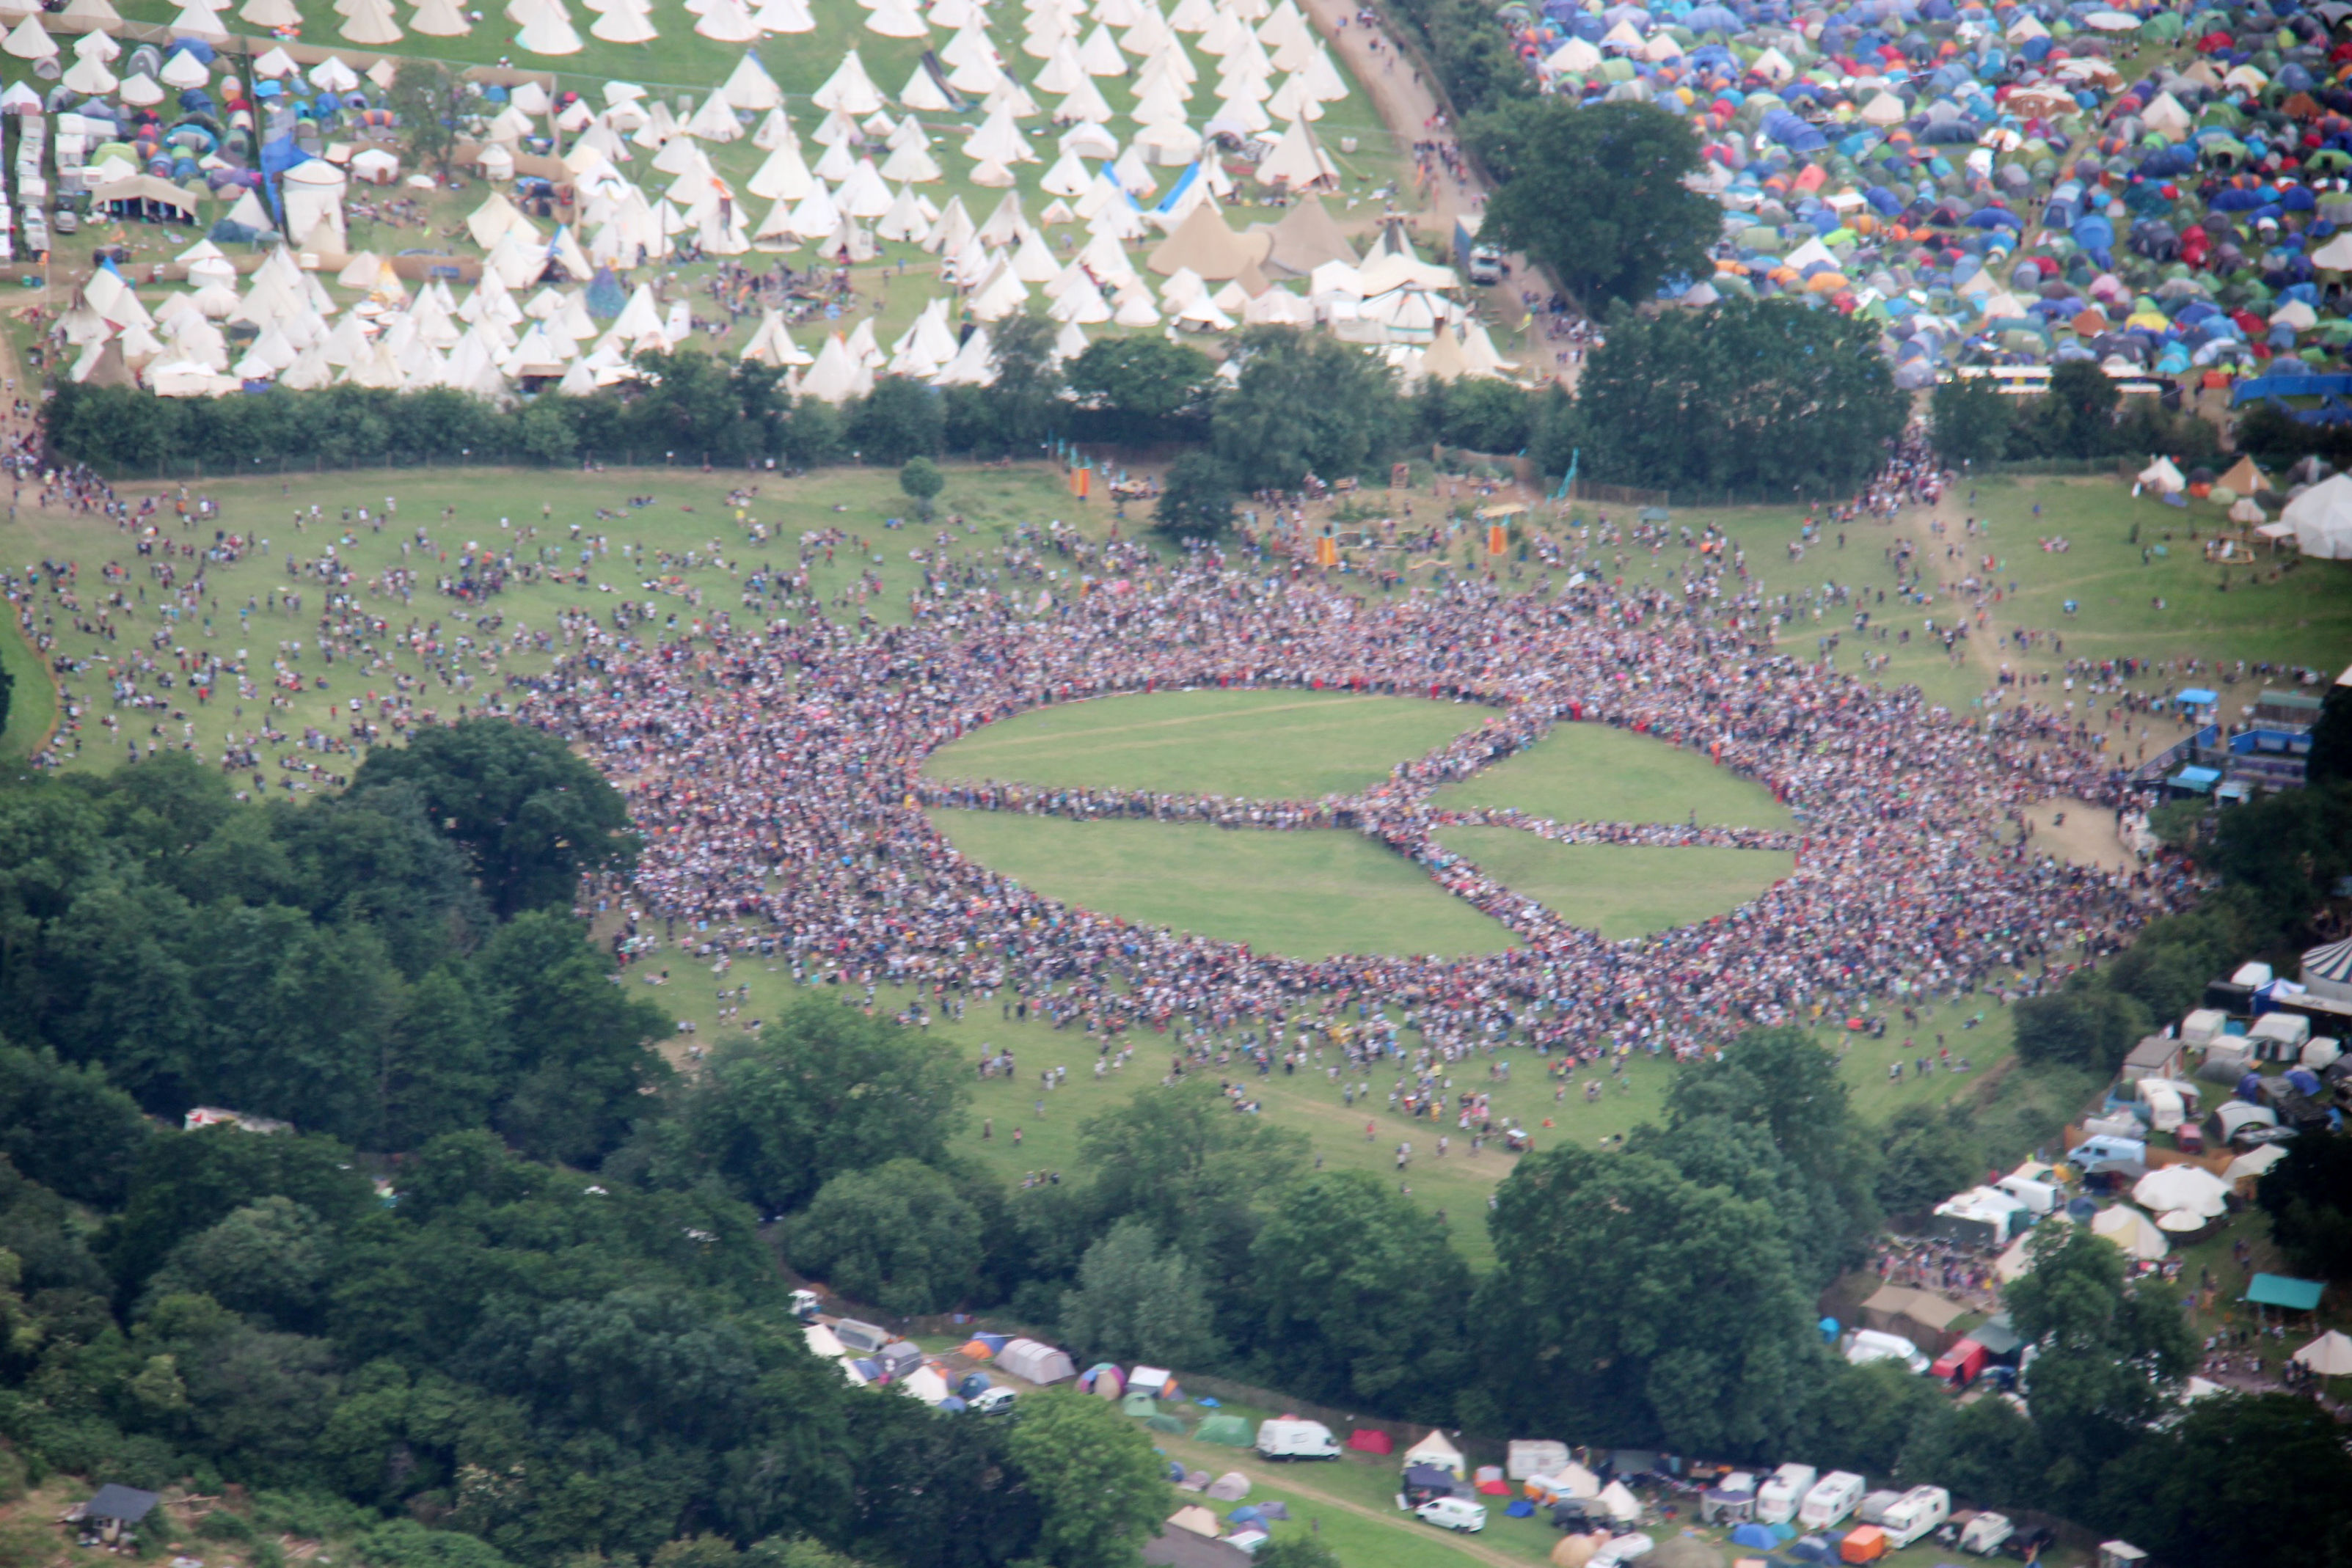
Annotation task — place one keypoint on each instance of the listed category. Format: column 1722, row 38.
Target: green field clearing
column 536, row 512
column 1311, row 894
column 1594, row 773
column 1621, row 890
column 689, row 513
column 1267, row 744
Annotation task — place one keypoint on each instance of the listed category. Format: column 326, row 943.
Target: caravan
column 1915, row 1515
column 1833, row 1496
column 1777, row 1499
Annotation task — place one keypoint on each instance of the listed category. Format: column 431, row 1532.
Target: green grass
column 32, row 699
column 689, row 513
column 1592, row 773
column 1310, row 894
column 1267, row 744
column 1622, row 890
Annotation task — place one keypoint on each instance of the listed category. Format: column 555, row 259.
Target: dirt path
column 1406, row 104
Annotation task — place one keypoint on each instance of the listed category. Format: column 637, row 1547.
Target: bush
column 2084, row 1025
column 1196, row 499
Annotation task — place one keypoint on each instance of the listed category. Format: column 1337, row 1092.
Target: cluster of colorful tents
column 2008, row 184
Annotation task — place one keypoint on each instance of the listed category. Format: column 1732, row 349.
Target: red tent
column 1365, row 1440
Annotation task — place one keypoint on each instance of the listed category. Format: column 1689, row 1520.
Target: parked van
column 1985, row 1532
column 1285, row 1440
column 861, row 1339
column 1832, row 1497
column 1921, row 1511
column 1777, row 1499
column 1455, row 1513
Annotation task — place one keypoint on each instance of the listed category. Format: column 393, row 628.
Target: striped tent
column 2327, row 971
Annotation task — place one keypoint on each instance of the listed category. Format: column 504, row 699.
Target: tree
column 920, row 478
column 424, row 97
column 2079, row 415
column 2245, row 1478
column 2308, row 1196
column 1104, row 1489
column 533, row 817
column 1305, row 404
column 1795, row 402
column 1360, row 1297
column 67, row 1127
column 821, row 1091
column 1926, row 1155
column 2083, row 1024
column 1196, row 498
column 185, row 1183
column 1596, row 194
column 1480, row 414
column 899, row 419
column 269, row 1259
column 1178, row 1159
column 2331, row 738
column 1027, row 388
column 2111, row 1351
column 1971, row 417
column 1142, row 382
column 574, row 1049
column 686, row 405
column 1650, row 1358
column 1136, row 1301
column 898, row 1236
column 1781, row 1083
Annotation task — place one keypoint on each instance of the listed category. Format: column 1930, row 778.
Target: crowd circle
column 776, row 772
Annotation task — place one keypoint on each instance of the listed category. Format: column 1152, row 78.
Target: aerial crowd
column 776, row 772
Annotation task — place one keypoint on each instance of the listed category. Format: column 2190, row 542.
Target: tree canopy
column 1794, row 402
column 1305, row 404
column 533, row 817
column 1596, row 194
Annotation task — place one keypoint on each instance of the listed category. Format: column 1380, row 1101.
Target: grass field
column 1622, row 890
column 1590, row 772
column 1309, row 895
column 1265, row 744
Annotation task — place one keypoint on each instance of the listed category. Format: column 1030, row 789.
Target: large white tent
column 2322, row 519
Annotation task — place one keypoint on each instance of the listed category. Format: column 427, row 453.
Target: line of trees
column 2082, row 415
column 1786, row 396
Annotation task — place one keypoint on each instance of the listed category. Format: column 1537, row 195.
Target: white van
column 1919, row 1512
column 1283, row 1440
column 1777, row 1499
column 861, row 1339
column 1455, row 1513
column 1832, row 1497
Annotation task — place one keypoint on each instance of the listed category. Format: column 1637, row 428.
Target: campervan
column 1454, row 1513
column 1833, row 1496
column 1985, row 1532
column 1777, row 1499
column 1285, row 1439
column 1915, row 1515
column 861, row 1339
